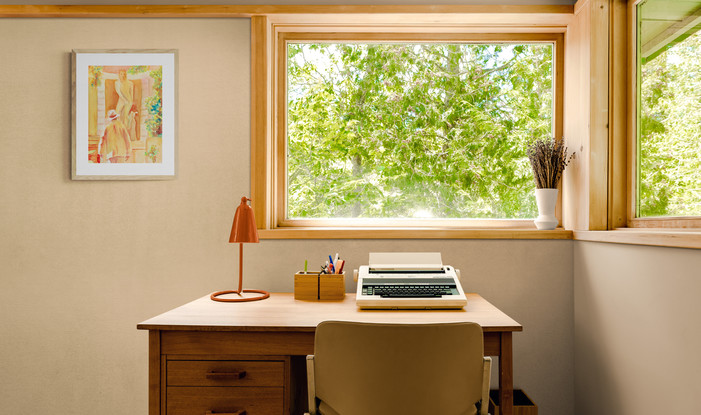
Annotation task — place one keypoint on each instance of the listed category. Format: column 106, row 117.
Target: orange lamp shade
column 244, row 228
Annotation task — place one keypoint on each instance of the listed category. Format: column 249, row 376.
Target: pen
column 305, row 266
column 335, row 261
column 340, row 267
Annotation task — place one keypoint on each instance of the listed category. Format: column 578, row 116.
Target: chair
column 403, row 369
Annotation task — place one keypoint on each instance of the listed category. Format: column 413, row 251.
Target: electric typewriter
column 408, row 280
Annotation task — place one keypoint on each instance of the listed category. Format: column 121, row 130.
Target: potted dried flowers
column 548, row 159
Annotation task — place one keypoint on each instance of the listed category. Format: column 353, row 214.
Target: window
column 669, row 113
column 394, row 124
column 414, row 130
column 411, row 130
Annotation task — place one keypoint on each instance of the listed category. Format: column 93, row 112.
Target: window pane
column 669, row 165
column 415, row 130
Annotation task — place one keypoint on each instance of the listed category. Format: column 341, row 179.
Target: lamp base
column 263, row 296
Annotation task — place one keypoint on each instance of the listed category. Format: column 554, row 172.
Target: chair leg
column 311, row 388
column 486, row 378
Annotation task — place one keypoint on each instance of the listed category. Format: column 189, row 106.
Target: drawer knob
column 242, row 412
column 235, row 374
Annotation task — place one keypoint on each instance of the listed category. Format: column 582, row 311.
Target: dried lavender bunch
column 548, row 159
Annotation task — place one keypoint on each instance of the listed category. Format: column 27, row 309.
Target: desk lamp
column 243, row 231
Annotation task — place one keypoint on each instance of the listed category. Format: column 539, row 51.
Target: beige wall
column 637, row 336
column 81, row 263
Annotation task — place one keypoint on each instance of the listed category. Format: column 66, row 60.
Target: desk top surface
column 281, row 312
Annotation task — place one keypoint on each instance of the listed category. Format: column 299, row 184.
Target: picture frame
column 124, row 114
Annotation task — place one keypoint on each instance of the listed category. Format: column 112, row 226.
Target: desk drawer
column 224, row 400
column 225, row 373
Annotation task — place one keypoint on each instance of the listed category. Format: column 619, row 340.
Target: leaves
column 670, row 132
column 399, row 130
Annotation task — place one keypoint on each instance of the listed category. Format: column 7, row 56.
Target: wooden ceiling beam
column 132, row 11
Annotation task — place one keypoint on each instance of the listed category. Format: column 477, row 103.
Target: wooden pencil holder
column 319, row 287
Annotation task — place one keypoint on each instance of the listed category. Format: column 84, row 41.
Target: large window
column 400, row 131
column 669, row 109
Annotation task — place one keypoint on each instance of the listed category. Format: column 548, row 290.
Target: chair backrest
column 368, row 369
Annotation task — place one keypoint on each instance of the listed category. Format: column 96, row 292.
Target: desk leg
column 506, row 375
column 154, row 372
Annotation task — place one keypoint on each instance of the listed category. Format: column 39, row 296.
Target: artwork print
column 124, row 121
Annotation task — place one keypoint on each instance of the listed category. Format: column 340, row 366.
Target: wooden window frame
column 633, row 221
column 269, row 148
column 614, row 221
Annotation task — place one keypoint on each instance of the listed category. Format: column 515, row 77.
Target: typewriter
column 408, row 280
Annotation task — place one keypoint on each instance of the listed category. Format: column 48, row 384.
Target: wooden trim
column 666, row 222
column 586, row 181
column 408, row 233
column 598, row 173
column 618, row 115
column 421, row 37
column 580, row 5
column 677, row 238
column 422, row 27
column 253, row 10
column 130, row 11
column 409, row 223
column 632, row 133
column 280, row 139
column 559, row 111
column 417, row 22
column 277, row 193
column 576, row 127
column 260, row 129
column 559, row 85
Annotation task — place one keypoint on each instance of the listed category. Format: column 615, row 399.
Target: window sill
column 678, row 238
column 411, row 233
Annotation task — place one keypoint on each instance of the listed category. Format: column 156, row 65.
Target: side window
column 669, row 109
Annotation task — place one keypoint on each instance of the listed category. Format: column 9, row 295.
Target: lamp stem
column 240, row 269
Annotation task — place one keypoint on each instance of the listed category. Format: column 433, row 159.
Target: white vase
column 546, row 200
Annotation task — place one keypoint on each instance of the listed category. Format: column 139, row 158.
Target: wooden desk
column 205, row 343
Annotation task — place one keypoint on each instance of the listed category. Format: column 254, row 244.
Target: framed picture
column 124, row 114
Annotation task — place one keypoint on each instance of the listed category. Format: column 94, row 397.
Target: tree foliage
column 670, row 131
column 415, row 130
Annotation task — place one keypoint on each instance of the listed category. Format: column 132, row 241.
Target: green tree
column 407, row 130
column 670, row 131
